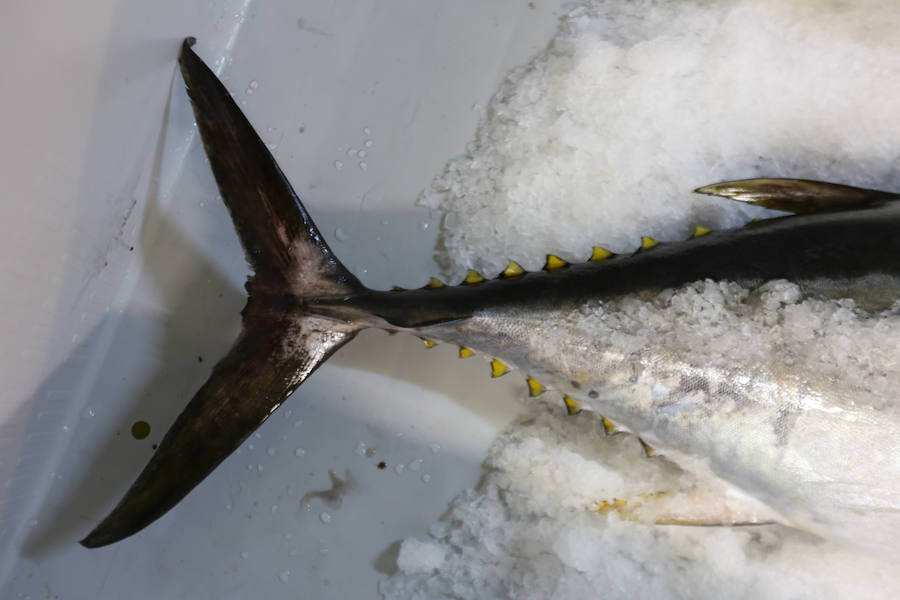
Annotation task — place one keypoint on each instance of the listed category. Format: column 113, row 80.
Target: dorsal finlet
column 429, row 343
column 465, row 352
column 513, row 269
column 700, row 231
column 434, row 283
column 648, row 242
column 535, row 387
column 473, row 277
column 572, row 405
column 554, row 263
column 498, row 368
column 600, row 254
column 397, row 288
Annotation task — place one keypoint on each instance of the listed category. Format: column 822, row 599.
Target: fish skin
column 303, row 304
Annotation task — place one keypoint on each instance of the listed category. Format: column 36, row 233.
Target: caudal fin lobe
column 279, row 345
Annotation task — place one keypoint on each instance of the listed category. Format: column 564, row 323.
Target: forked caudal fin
column 279, row 345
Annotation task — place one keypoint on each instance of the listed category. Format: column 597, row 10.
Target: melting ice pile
column 600, row 140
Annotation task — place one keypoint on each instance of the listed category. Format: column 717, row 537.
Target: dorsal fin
column 799, row 196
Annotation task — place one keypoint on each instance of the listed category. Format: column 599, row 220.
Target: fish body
column 615, row 334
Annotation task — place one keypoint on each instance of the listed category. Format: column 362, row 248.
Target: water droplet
column 435, row 448
column 385, row 222
column 250, row 446
column 274, row 508
column 271, row 146
column 257, row 435
column 400, row 468
column 323, row 550
column 90, row 412
column 287, row 413
column 245, row 554
column 426, row 477
column 341, row 235
column 325, row 517
column 249, row 467
column 259, row 467
column 284, row 576
column 363, row 165
column 299, row 452
column 228, row 506
column 415, row 465
column 293, row 552
column 254, row 84
column 243, row 103
column 370, row 452
column 298, row 422
column 338, row 165
column 423, row 225
column 361, row 154
column 351, row 151
column 249, row 91
column 271, row 451
column 360, row 449
column 367, row 131
column 369, row 143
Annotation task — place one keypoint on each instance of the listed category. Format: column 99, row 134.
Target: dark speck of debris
column 140, row 430
column 593, row 393
column 131, row 249
column 531, row 5
column 575, row 384
column 199, row 359
column 370, row 452
column 155, row 446
column 302, row 129
column 382, row 465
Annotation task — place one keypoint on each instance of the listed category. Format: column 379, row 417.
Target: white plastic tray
column 122, row 283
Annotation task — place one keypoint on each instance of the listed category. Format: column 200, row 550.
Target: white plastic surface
column 122, row 283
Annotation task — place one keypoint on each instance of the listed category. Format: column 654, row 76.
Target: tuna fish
column 807, row 448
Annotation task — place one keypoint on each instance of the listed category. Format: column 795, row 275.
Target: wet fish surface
column 807, row 447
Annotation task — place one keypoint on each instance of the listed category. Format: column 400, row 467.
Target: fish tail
column 280, row 344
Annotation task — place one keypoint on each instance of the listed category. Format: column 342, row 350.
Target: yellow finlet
column 535, row 387
column 554, row 263
column 434, row 283
column 701, row 231
column 429, row 343
column 473, row 277
column 648, row 242
column 513, row 269
column 498, row 368
column 609, row 427
column 648, row 449
column 572, row 406
column 397, row 288
column 600, row 254
column 465, row 352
